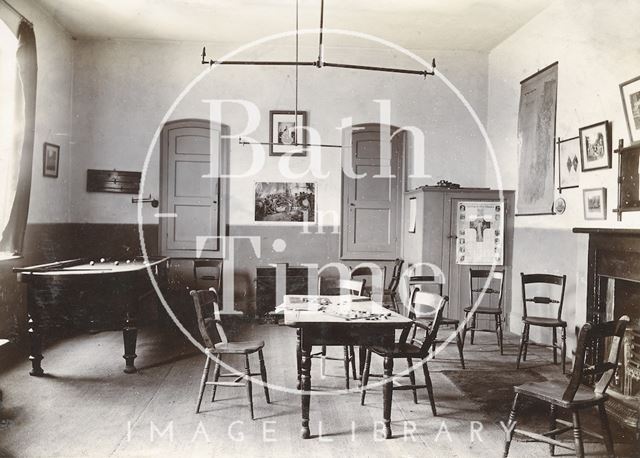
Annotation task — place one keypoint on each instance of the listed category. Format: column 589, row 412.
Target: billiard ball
column 128, row 261
column 102, row 259
column 92, row 263
column 117, row 262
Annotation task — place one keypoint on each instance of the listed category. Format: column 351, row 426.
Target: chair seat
column 485, row 310
column 552, row 392
column 397, row 350
column 249, row 346
column 543, row 321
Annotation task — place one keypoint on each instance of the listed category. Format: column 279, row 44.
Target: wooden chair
column 425, row 281
column 356, row 288
column 207, row 273
column 390, row 294
column 575, row 397
column 550, row 281
column 367, row 274
column 216, row 346
column 410, row 346
column 490, row 284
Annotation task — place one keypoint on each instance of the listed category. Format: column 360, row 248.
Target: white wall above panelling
column 123, row 89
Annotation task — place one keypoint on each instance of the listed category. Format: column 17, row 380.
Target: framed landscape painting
column 595, row 203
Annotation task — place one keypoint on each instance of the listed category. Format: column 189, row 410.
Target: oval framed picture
column 560, row 205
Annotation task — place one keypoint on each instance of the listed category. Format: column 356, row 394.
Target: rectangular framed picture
column 630, row 92
column 285, row 202
column 568, row 163
column 50, row 160
column 480, row 233
column 595, row 203
column 595, row 146
column 286, row 135
column 413, row 209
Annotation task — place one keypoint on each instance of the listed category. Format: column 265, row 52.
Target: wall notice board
column 480, row 233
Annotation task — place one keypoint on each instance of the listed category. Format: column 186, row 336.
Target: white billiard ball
column 102, row 259
column 128, row 261
column 92, row 263
column 117, row 263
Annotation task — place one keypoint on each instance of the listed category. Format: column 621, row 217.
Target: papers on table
column 348, row 307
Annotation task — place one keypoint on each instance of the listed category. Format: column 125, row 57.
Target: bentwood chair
column 208, row 316
column 575, row 397
column 549, row 283
column 390, row 294
column 356, row 288
column 423, row 282
column 486, row 287
column 414, row 344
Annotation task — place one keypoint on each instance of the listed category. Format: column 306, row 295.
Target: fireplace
column 613, row 290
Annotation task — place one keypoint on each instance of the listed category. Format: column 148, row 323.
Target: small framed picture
column 50, row 160
column 287, row 134
column 595, row 203
column 568, row 163
column 630, row 92
column 595, row 146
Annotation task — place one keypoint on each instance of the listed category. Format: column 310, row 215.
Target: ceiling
column 415, row 24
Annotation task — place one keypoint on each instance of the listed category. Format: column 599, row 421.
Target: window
column 9, row 159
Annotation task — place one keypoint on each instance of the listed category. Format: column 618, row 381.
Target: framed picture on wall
column 284, row 202
column 286, row 132
column 595, row 203
column 50, row 160
column 568, row 163
column 595, row 146
column 630, row 92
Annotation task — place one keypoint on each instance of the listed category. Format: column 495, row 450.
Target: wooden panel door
column 372, row 203
column 190, row 202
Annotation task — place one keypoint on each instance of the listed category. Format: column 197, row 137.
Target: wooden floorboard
column 86, row 406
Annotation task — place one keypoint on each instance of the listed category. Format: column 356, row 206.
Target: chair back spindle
column 205, row 302
column 605, row 370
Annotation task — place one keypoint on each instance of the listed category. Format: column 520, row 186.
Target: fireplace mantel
column 606, row 231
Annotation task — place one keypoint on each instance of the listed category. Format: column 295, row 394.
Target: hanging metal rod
column 22, row 16
column 303, row 145
column 318, row 64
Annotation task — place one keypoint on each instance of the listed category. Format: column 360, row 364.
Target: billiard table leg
column 130, row 336
column 306, row 389
column 35, row 339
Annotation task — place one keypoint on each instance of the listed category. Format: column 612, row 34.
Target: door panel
column 191, row 165
column 372, row 204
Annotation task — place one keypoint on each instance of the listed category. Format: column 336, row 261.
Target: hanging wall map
column 536, row 135
column 480, row 233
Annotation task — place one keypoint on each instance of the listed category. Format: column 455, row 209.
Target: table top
column 90, row 267
column 303, row 310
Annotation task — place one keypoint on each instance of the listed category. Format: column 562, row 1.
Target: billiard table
column 59, row 285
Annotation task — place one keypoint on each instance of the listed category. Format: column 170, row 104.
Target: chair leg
column 500, row 335
column 460, row 348
column 577, row 434
column 526, row 344
column 555, row 346
column 263, row 375
column 511, row 425
column 247, row 371
column 323, row 360
column 412, row 378
column 523, row 337
column 216, row 377
column 606, row 430
column 203, row 382
column 365, row 377
column 353, row 362
column 346, row 366
column 497, row 320
column 473, row 327
column 553, row 414
column 564, row 348
column 427, row 380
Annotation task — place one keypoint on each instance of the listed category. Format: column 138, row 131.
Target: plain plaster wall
column 596, row 45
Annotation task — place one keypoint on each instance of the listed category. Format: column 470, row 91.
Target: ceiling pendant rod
column 320, row 47
column 424, row 73
column 295, row 113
